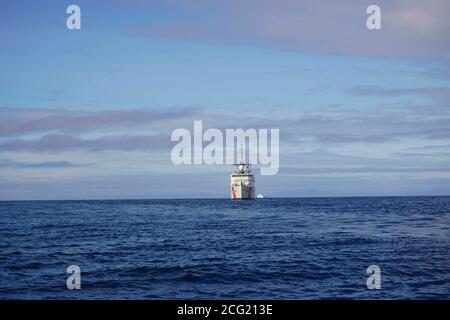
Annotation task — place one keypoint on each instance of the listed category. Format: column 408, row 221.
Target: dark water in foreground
column 298, row 248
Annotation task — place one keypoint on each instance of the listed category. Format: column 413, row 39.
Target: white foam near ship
column 242, row 183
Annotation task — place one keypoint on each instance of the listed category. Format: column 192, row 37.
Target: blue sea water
column 292, row 248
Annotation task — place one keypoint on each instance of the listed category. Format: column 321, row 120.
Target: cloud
column 410, row 28
column 7, row 163
column 371, row 127
column 334, row 161
column 365, row 170
column 15, row 121
column 62, row 142
column 324, row 127
column 439, row 155
column 429, row 147
column 438, row 94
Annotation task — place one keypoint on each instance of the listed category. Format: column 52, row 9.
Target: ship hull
column 242, row 192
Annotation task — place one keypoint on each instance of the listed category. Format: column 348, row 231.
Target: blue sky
column 88, row 113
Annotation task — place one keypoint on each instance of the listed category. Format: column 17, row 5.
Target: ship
column 242, row 182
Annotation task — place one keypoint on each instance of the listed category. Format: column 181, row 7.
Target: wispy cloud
column 61, row 142
column 324, row 127
column 439, row 94
column 361, row 170
column 15, row 121
column 435, row 147
column 369, row 127
column 8, row 163
column 410, row 28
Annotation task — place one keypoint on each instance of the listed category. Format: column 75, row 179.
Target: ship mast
column 241, row 161
column 242, row 166
column 241, row 156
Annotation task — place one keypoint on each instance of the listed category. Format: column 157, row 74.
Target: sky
column 88, row 114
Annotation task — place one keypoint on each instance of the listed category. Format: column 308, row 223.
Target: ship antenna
column 242, row 158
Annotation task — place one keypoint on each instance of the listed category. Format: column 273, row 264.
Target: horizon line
column 216, row 198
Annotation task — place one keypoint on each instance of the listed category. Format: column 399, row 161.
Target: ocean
column 284, row 248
